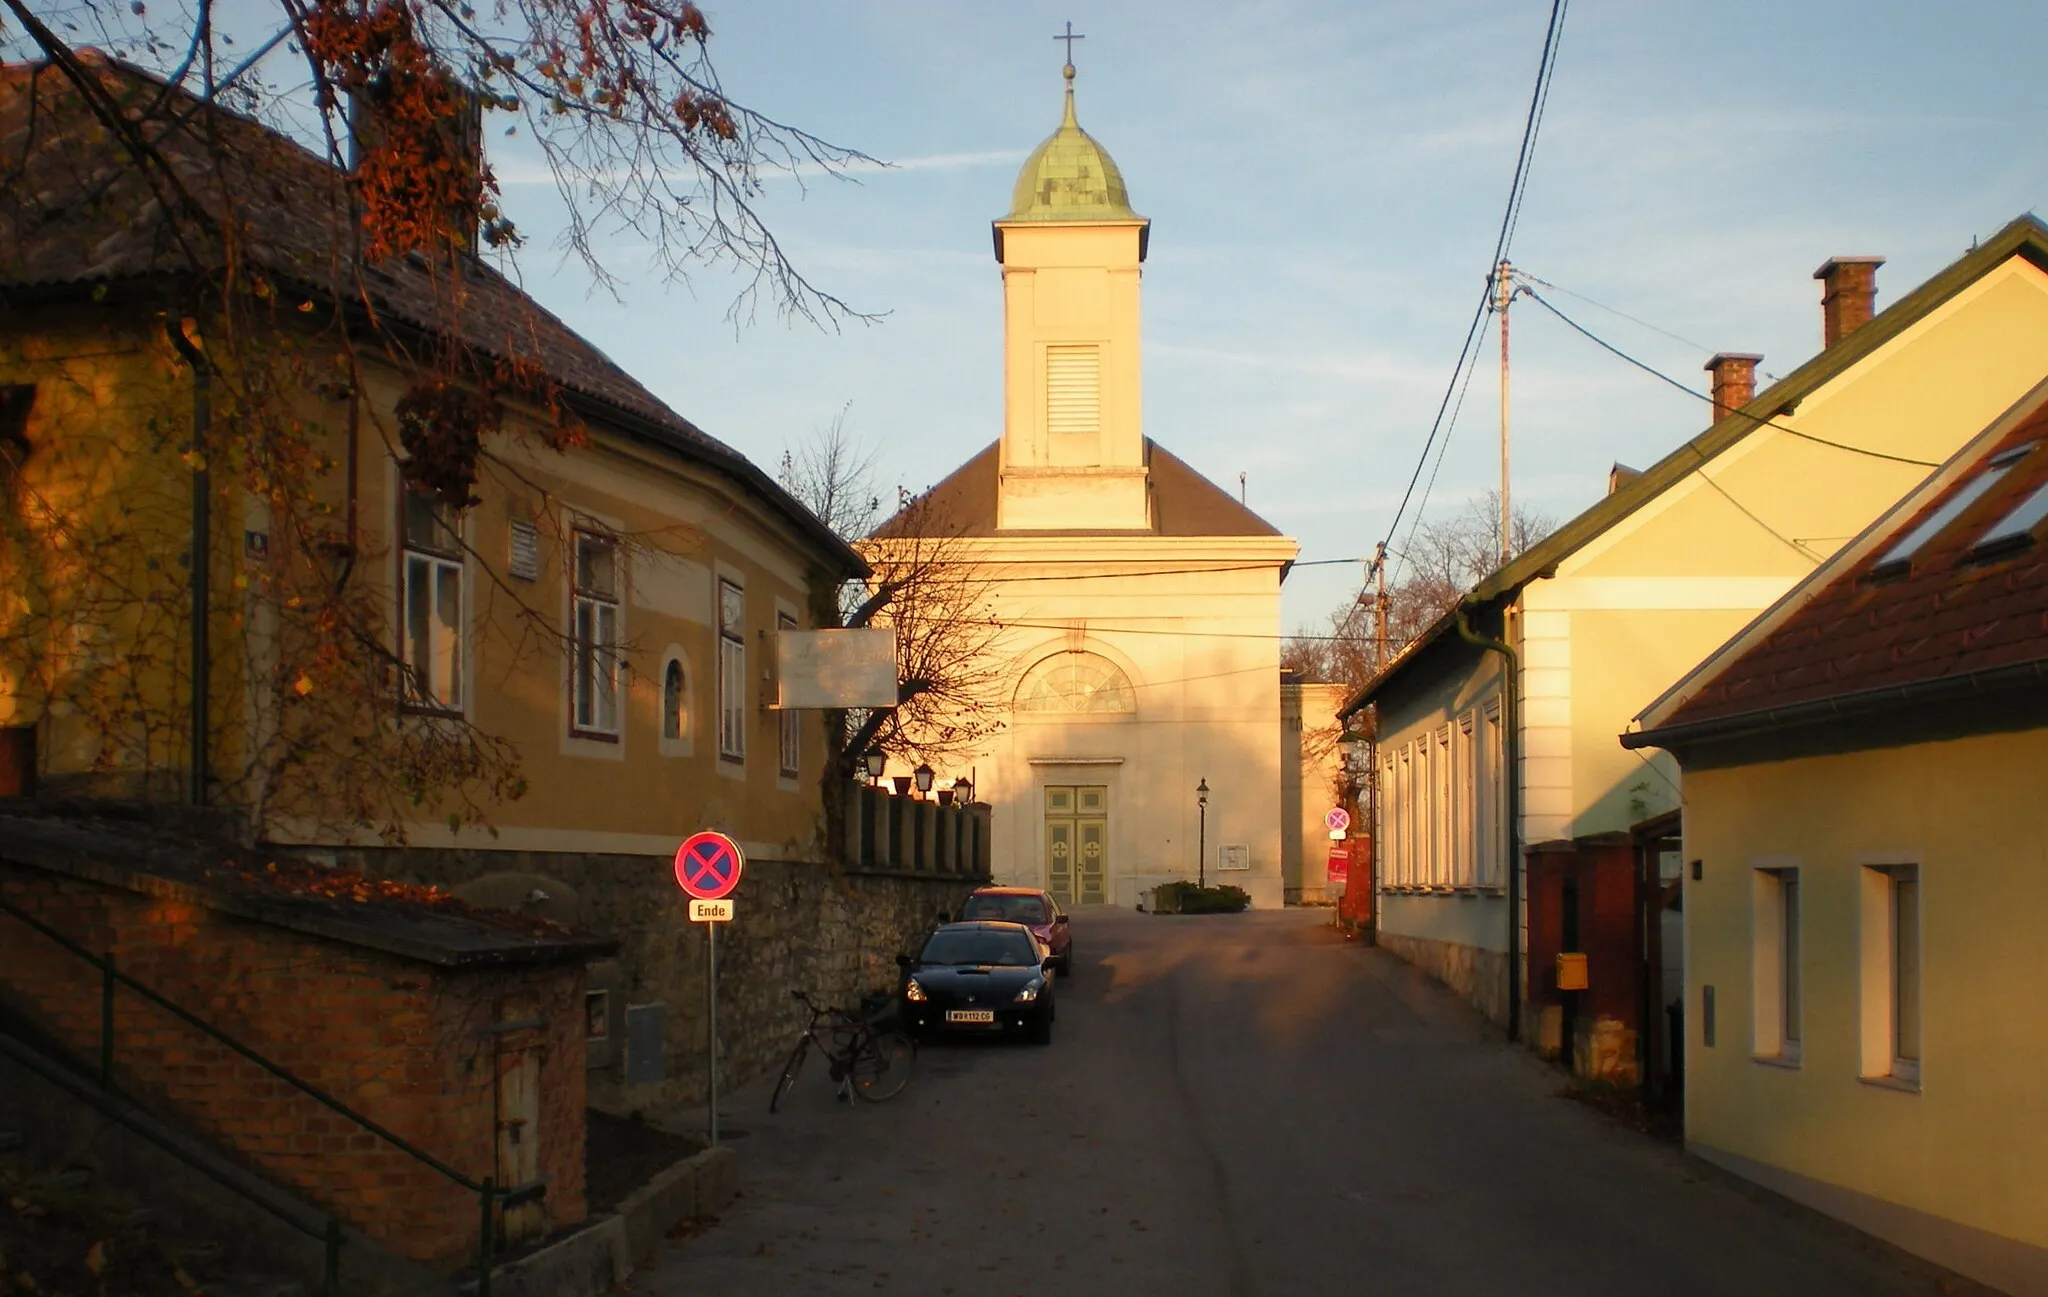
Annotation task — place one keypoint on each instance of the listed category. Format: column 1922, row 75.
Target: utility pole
column 1379, row 610
column 1503, row 294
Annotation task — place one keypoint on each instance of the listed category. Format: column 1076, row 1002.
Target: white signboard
column 711, row 911
column 1233, row 856
column 835, row 668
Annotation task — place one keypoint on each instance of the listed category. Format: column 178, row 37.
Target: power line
column 1517, row 188
column 1663, row 377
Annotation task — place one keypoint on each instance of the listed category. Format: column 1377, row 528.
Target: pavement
column 1243, row 1106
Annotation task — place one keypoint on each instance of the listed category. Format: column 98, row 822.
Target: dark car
column 1034, row 909
column 979, row 978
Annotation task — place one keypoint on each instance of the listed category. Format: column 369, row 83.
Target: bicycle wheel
column 881, row 1066
column 789, row 1072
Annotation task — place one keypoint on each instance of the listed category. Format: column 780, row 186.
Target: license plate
column 970, row 1015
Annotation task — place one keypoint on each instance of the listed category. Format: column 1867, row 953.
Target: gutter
column 1840, row 707
column 202, row 558
column 1511, row 753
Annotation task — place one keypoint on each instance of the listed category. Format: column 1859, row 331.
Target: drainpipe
column 202, row 553
column 1511, row 750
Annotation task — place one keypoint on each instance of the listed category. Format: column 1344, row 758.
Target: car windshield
column 1009, row 909
column 969, row 946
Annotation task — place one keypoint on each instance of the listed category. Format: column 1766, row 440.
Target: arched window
column 1076, row 682
column 675, row 702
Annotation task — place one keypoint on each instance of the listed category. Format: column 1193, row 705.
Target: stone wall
column 408, row 1044
column 806, row 925
column 1480, row 976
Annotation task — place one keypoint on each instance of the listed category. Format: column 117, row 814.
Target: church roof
column 1184, row 503
column 1070, row 178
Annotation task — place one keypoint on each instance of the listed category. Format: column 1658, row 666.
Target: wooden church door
column 1077, row 843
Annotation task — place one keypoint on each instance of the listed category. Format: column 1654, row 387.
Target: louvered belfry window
column 1073, row 389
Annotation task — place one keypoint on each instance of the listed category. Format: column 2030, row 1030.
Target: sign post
column 708, row 867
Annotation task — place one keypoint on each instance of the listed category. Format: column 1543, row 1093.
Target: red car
column 1034, row 909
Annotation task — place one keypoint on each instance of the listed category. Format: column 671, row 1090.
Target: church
column 1138, row 603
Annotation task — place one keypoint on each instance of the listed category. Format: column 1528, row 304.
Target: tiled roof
column 77, row 213
column 1951, row 612
column 1184, row 503
column 411, row 920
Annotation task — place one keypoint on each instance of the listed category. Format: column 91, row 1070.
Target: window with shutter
column 1073, row 389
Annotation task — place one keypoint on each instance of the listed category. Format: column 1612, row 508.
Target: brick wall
column 407, row 1043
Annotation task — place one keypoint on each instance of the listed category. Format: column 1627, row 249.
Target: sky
column 1325, row 180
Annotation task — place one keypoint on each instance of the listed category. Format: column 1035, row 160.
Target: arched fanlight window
column 675, row 703
column 1076, row 682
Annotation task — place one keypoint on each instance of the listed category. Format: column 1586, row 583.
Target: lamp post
column 876, row 761
column 1202, row 833
column 923, row 776
column 963, row 791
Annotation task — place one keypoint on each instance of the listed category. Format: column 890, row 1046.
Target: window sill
column 425, row 712
column 1790, row 1062
column 1888, row 1082
column 592, row 736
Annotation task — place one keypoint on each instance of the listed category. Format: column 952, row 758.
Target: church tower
column 1073, row 453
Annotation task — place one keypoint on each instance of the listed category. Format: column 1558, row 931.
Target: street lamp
column 963, row 791
column 923, row 776
column 1202, row 833
column 877, row 761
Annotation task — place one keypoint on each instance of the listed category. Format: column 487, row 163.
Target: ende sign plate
column 712, row 911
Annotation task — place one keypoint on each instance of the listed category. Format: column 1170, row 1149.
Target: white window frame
column 731, row 614
column 596, row 638
column 1492, row 761
column 1888, row 960
column 789, row 734
column 1465, row 796
column 437, row 687
column 1778, row 965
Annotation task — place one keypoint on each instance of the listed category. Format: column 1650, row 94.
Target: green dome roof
column 1070, row 178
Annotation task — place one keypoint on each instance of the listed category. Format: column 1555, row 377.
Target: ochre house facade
column 532, row 697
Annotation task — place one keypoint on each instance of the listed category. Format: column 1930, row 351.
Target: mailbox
column 1571, row 972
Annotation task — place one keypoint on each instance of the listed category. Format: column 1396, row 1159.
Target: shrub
column 1188, row 898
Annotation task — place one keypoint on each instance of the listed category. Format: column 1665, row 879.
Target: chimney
column 1735, row 380
column 1848, row 295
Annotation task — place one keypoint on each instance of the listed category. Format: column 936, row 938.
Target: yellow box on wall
column 1571, row 972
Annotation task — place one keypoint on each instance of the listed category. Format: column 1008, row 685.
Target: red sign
column 708, row 865
column 1340, row 863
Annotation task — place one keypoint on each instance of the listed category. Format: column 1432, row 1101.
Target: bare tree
column 1444, row 558
column 928, row 585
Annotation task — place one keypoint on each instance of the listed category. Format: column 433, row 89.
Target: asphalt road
column 1243, row 1106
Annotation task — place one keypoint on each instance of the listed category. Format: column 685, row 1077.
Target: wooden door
column 1077, row 843
column 519, row 1140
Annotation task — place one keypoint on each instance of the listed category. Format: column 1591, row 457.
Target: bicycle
column 872, row 1062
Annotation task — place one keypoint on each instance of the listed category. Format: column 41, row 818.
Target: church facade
column 1139, row 604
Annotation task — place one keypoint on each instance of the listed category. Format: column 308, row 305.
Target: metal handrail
column 330, row 1236
column 489, row 1196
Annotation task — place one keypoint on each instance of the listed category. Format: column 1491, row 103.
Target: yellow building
column 1604, row 614
column 1138, row 605
column 532, row 694
column 1868, row 866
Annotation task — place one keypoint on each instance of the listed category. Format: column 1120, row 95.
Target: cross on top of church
column 1069, row 38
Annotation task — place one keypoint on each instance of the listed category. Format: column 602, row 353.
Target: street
column 1242, row 1105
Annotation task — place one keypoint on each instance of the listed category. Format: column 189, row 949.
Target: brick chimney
column 1734, row 381
column 1848, row 295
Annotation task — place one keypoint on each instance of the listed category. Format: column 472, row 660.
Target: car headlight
column 914, row 992
column 1030, row 992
